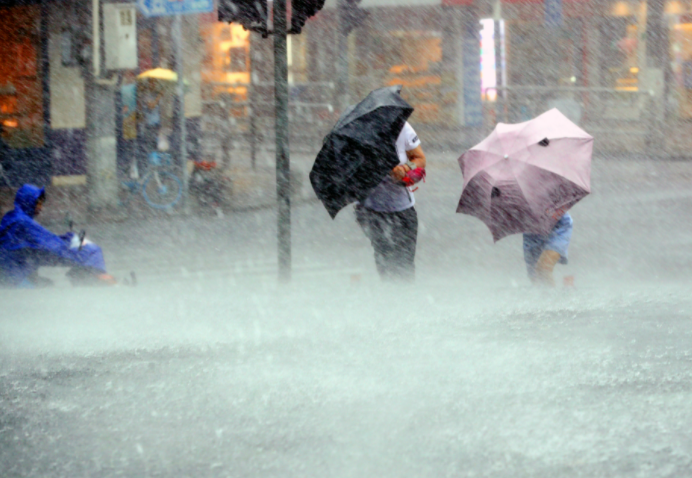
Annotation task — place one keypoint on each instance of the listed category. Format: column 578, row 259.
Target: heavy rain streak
column 345, row 238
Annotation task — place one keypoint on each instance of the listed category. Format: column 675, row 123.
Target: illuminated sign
column 488, row 60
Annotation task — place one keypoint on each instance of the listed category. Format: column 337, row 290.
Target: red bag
column 414, row 176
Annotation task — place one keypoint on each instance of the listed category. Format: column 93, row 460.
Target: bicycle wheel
column 162, row 190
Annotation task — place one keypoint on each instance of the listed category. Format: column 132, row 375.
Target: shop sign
column 553, row 13
column 158, row 8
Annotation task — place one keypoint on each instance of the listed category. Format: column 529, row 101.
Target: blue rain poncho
column 25, row 245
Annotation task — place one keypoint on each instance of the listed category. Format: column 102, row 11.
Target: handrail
column 329, row 84
column 533, row 96
column 329, row 106
column 567, row 89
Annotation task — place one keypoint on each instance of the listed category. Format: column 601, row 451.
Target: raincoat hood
column 27, row 197
column 25, row 245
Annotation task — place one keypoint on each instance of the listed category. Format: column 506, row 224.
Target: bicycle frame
column 167, row 186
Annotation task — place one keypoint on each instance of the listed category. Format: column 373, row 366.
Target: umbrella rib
column 550, row 172
column 547, row 167
column 354, row 171
column 367, row 113
column 499, row 158
column 556, row 138
column 517, row 137
column 523, row 193
column 376, row 145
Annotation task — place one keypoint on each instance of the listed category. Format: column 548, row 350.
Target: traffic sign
column 553, row 13
column 159, row 8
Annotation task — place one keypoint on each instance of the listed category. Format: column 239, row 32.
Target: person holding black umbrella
column 388, row 217
column 371, row 157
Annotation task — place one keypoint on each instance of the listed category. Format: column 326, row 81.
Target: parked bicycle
column 160, row 188
column 209, row 186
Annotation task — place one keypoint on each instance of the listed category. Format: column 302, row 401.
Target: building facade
column 45, row 62
column 464, row 64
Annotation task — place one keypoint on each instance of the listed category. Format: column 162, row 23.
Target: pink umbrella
column 524, row 177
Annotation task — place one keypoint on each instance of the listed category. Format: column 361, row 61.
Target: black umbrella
column 360, row 150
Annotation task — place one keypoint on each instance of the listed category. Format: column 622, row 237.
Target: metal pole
column 656, row 35
column 655, row 74
column 252, row 108
column 342, row 59
column 283, row 168
column 178, row 39
column 497, row 37
column 102, row 154
column 253, row 134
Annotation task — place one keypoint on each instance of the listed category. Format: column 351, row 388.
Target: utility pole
column 500, row 80
column 182, row 142
column 256, row 17
column 342, row 60
column 253, row 109
column 350, row 16
column 552, row 44
column 656, row 37
column 653, row 78
column 101, row 147
column 283, row 168
column 102, row 181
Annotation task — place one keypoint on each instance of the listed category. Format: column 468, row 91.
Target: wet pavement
column 209, row 368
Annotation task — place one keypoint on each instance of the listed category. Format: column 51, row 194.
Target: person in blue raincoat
column 25, row 245
column 543, row 252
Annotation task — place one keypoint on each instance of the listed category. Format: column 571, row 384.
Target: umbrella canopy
column 360, row 150
column 161, row 74
column 524, row 177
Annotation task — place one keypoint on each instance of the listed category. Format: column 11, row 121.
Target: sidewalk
column 256, row 188
column 610, row 137
column 252, row 188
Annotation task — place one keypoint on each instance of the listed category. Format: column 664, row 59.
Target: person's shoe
column 105, row 279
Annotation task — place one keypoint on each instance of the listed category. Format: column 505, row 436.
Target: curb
column 252, row 189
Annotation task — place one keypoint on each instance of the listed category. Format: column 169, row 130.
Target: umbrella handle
column 413, row 176
column 82, row 235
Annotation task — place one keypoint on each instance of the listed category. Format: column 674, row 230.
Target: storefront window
column 226, row 66
column 620, row 53
column 488, row 58
column 297, row 59
column 21, row 90
column 412, row 59
column 681, row 53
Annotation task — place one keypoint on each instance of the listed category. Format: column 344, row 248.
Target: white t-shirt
column 389, row 196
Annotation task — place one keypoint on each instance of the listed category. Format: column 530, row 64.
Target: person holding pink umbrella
column 523, row 178
column 543, row 252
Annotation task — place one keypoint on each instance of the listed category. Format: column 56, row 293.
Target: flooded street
column 208, row 367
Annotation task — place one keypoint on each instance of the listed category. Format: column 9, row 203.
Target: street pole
column 553, row 44
column 656, row 36
column 283, row 171
column 653, row 75
column 182, row 143
column 497, row 37
column 252, row 97
column 342, row 59
column 252, row 111
column 101, row 144
column 101, row 147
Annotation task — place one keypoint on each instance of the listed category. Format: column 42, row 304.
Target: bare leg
column 544, row 268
